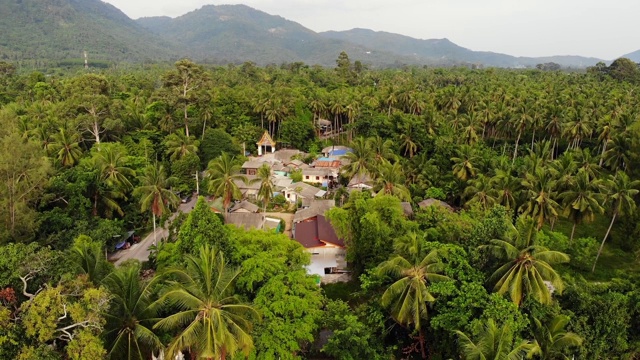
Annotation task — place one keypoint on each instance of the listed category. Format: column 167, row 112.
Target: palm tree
column 551, row 339
column 409, row 295
column 66, row 147
column 390, row 180
column 539, row 191
column 619, row 150
column 481, row 191
column 495, row 343
column 223, row 173
column 527, row 266
column 211, row 320
column 112, row 164
column 361, row 160
column 520, row 124
column 111, row 178
column 266, row 185
column 382, row 149
column 619, row 191
column 128, row 330
column 581, row 201
column 154, row 194
column 463, row 164
column 179, row 144
column 507, row 187
column 88, row 259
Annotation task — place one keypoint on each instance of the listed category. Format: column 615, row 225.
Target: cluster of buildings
column 309, row 226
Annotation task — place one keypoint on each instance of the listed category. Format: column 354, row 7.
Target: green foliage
column 262, row 255
column 202, row 227
column 351, row 338
column 85, row 346
column 602, row 316
column 290, row 305
column 88, row 259
column 369, row 226
column 214, row 143
column 297, row 132
column 203, row 292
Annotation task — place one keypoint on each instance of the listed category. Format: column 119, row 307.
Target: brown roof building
column 316, row 232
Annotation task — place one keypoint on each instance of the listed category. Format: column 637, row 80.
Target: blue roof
column 337, row 152
column 324, row 159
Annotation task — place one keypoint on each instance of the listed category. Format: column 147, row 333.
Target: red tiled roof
column 327, row 164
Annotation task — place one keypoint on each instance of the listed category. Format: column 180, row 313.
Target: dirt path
column 140, row 251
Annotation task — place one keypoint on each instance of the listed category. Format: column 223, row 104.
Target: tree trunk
column 573, row 230
column 422, row 349
column 155, row 237
column 533, row 138
column 515, row 151
column 204, row 126
column 95, row 204
column 604, row 148
column 613, row 219
column 186, row 121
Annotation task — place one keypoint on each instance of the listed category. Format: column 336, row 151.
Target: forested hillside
column 530, row 251
column 39, row 32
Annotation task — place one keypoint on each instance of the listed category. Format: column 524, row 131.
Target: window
column 307, row 177
column 288, row 196
column 317, row 177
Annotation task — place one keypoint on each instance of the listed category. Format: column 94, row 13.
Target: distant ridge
column 238, row 33
column 445, row 52
column 60, row 30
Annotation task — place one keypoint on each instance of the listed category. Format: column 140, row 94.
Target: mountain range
column 60, row 30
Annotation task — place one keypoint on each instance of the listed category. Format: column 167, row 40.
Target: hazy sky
column 600, row 28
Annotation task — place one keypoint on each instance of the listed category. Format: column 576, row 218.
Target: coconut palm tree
column 619, row 191
column 223, row 173
column 552, row 339
column 111, row 178
column 111, row 160
column 540, row 194
column 582, row 200
column 211, row 320
column 481, row 191
column 382, row 149
column 154, row 194
column 179, row 144
column 409, row 295
column 65, row 146
column 463, row 164
column 527, row 265
column 128, row 331
column 361, row 160
column 265, row 193
column 495, row 343
column 390, row 180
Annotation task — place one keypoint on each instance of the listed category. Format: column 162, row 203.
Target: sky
column 605, row 29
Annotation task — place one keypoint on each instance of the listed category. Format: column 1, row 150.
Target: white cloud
column 604, row 29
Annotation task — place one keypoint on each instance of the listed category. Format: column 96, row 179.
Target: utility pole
column 86, row 61
column 197, row 183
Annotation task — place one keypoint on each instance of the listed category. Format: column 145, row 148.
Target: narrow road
column 140, row 251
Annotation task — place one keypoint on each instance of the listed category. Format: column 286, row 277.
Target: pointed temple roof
column 266, row 140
